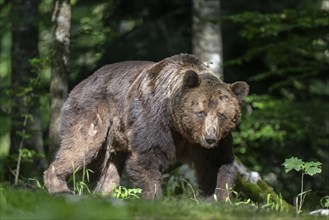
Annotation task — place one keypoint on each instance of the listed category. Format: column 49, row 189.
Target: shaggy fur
column 146, row 116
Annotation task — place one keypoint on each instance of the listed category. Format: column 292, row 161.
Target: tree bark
column 59, row 68
column 207, row 39
column 24, row 14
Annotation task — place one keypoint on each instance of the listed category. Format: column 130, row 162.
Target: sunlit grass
column 23, row 204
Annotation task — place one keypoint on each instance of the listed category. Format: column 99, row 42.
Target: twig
column 301, row 191
column 194, row 195
column 18, row 166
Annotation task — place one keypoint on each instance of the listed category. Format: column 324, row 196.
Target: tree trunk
column 59, row 68
column 207, row 39
column 24, row 14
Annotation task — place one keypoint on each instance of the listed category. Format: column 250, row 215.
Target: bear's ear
column 240, row 89
column 191, row 79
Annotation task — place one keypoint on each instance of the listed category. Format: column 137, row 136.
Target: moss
column 260, row 193
column 249, row 190
column 274, row 196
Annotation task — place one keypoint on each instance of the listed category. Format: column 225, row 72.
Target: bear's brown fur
column 146, row 116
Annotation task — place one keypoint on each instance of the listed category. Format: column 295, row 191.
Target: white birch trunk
column 207, row 40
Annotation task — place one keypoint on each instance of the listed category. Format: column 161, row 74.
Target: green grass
column 24, row 204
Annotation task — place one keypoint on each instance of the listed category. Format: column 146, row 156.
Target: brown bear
column 145, row 116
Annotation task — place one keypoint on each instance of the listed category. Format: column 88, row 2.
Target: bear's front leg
column 214, row 169
column 144, row 173
column 214, row 179
column 225, row 181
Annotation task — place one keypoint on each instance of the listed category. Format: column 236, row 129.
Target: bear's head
column 205, row 109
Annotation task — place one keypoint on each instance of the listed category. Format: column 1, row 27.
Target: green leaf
column 325, row 202
column 293, row 163
column 312, row 168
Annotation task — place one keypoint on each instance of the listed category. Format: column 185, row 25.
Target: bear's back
column 113, row 77
column 111, row 81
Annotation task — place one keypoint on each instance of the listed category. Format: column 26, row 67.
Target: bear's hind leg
column 144, row 173
column 55, row 179
column 111, row 176
column 65, row 164
column 79, row 146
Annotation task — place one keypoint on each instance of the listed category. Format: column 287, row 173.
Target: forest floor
column 25, row 204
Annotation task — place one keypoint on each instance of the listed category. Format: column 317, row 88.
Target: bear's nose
column 210, row 140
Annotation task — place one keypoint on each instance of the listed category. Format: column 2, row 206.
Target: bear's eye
column 236, row 118
column 201, row 114
column 222, row 116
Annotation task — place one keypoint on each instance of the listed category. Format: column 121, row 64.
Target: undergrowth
column 23, row 204
column 181, row 200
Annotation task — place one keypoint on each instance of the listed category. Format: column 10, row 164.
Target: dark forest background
column 279, row 47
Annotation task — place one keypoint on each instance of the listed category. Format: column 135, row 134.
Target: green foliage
column 123, row 193
column 271, row 124
column 25, row 95
column 325, row 202
column 276, row 204
column 271, row 128
column 180, row 181
column 292, row 47
column 272, row 202
column 38, row 184
column 80, row 185
column 312, row 168
column 285, row 62
column 29, row 155
column 81, row 180
column 309, row 168
column 293, row 163
column 88, row 36
column 273, row 24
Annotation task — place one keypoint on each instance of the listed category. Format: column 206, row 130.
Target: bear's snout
column 211, row 140
column 210, row 136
